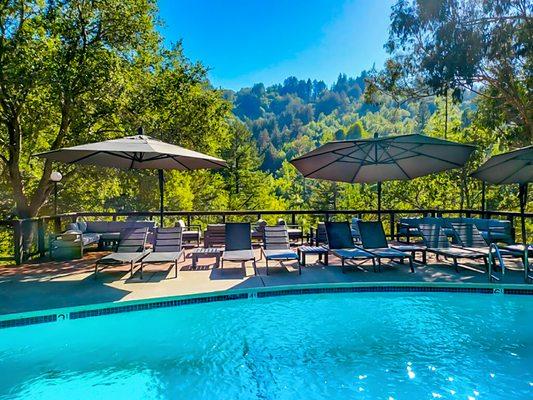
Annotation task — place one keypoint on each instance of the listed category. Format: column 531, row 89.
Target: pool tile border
column 200, row 299
column 11, row 323
column 153, row 305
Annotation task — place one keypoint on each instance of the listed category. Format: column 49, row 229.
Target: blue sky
column 244, row 42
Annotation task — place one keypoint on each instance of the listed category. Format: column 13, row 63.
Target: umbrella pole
column 161, row 195
column 483, row 190
column 379, row 201
column 522, row 194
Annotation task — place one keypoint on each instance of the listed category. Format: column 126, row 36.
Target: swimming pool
column 325, row 346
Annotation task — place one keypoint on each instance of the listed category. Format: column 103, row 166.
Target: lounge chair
column 374, row 241
column 437, row 242
column 470, row 238
column 526, row 253
column 167, row 248
column 276, row 246
column 341, row 244
column 131, row 249
column 238, row 246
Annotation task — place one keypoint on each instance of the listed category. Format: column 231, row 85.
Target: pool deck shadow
column 43, row 284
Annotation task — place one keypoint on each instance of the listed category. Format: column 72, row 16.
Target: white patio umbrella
column 136, row 152
column 511, row 167
column 381, row 159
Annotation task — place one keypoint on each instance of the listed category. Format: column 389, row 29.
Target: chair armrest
column 196, row 227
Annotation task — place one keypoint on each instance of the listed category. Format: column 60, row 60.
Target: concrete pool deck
column 43, row 285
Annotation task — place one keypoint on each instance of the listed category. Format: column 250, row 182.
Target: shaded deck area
column 42, row 285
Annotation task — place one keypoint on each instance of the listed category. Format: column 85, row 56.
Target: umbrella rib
column 360, row 165
column 396, row 162
column 84, row 157
column 434, row 157
column 322, row 167
column 304, row 157
column 482, row 169
column 180, row 163
column 514, row 172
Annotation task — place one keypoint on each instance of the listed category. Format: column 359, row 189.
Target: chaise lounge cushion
column 97, row 226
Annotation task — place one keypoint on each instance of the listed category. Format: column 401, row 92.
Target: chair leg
column 342, row 265
column 255, row 267
column 266, row 263
column 379, row 264
column 176, row 269
column 456, row 264
column 131, row 269
column 95, row 269
column 374, row 264
column 411, row 264
column 141, row 270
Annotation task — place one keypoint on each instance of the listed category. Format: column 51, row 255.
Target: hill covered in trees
column 294, row 117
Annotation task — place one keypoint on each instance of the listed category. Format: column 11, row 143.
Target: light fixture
column 56, row 176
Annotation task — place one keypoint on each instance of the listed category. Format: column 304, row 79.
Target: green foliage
column 76, row 72
column 449, row 47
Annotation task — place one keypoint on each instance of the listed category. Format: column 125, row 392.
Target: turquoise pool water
column 338, row 346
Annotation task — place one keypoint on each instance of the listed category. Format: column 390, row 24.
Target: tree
column 75, row 72
column 452, row 46
column 62, row 68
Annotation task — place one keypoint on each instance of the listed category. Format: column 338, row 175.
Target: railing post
column 40, row 237
column 223, row 218
column 293, row 218
column 326, row 217
column 391, row 217
column 18, row 241
column 57, row 224
column 188, row 219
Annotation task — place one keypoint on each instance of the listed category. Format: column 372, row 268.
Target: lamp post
column 55, row 177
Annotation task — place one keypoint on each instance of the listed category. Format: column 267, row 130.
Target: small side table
column 413, row 249
column 320, row 250
column 205, row 252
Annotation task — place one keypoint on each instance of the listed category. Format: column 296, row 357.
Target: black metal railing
column 20, row 240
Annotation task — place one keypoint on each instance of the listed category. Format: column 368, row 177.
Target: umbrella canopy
column 136, row 152
column 511, row 167
column 382, row 159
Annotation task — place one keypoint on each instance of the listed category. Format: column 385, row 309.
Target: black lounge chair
column 340, row 241
column 437, row 242
column 238, row 247
column 167, row 248
column 276, row 246
column 375, row 242
column 131, row 249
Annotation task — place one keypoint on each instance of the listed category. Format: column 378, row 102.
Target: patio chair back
column 433, row 236
column 372, row 235
column 132, row 240
column 215, row 235
column 468, row 235
column 238, row 236
column 276, row 237
column 168, row 240
column 339, row 235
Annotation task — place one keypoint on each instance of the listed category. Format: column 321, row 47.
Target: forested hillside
column 294, row 117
